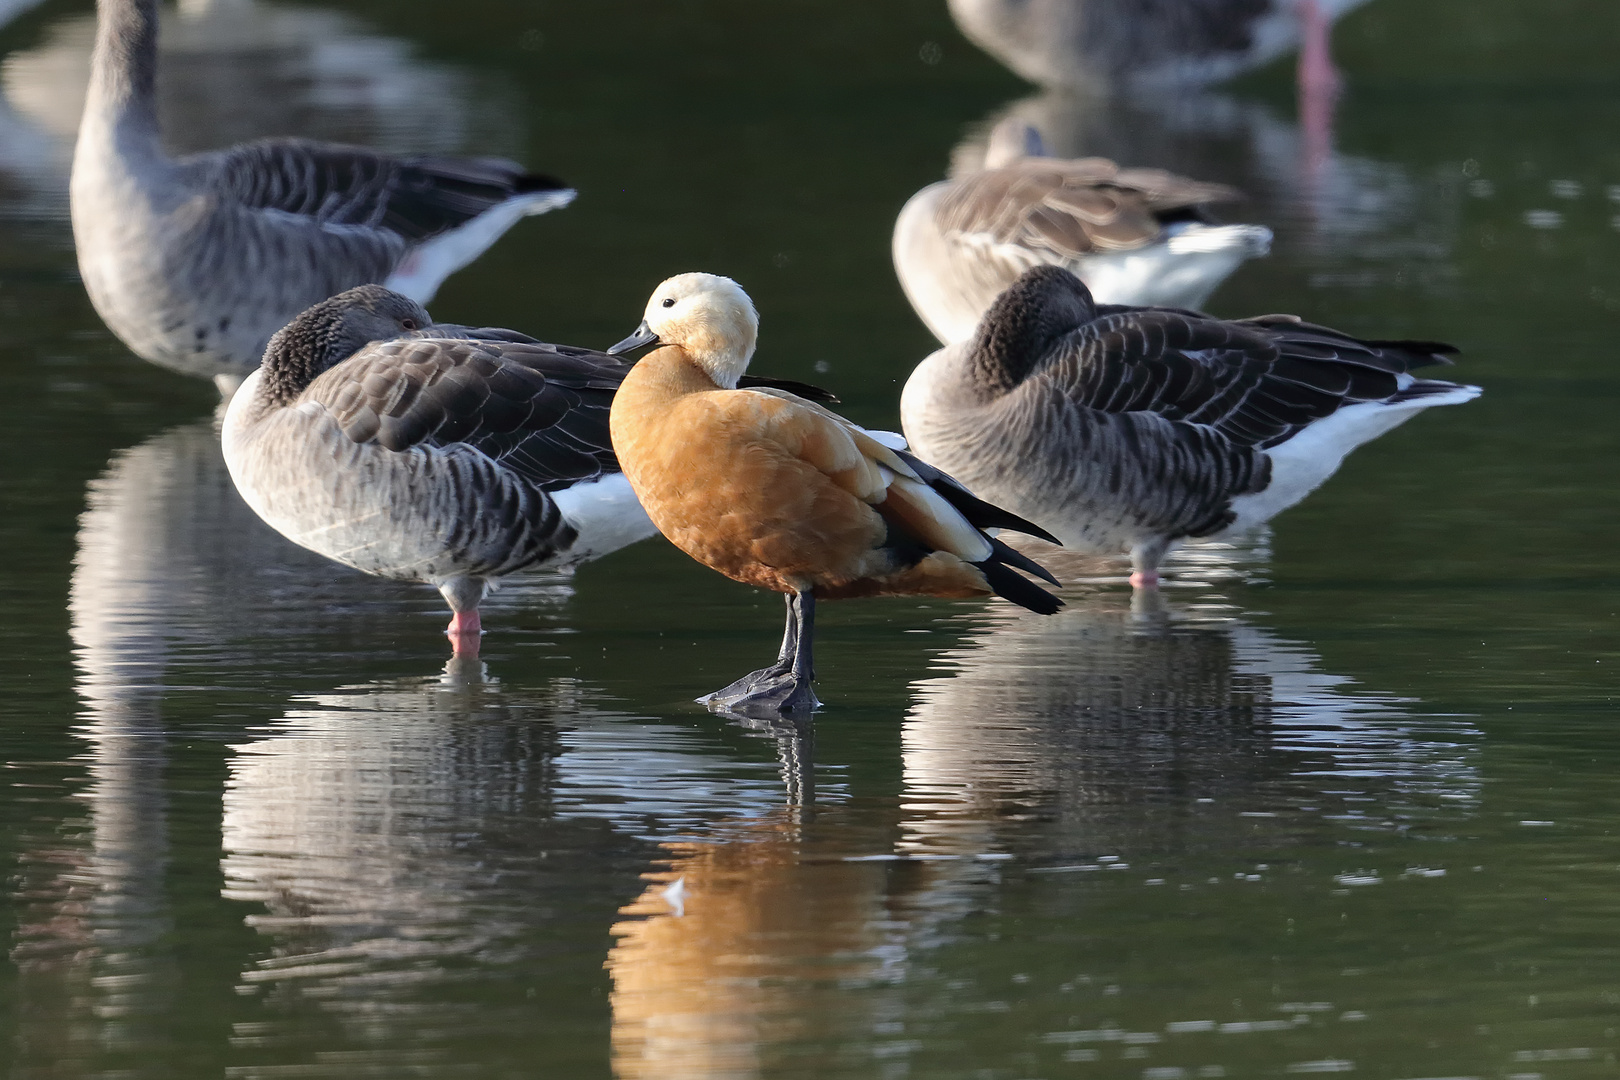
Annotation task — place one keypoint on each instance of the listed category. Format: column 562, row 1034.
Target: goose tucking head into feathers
column 331, row 332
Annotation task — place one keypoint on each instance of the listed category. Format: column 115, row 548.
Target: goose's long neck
column 120, row 109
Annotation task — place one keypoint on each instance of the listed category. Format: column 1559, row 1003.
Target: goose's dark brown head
column 1024, row 325
column 333, row 330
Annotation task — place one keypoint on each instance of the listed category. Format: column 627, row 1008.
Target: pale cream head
column 711, row 318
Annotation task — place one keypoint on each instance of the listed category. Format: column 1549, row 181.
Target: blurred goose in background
column 195, row 262
column 1128, row 429
column 1102, row 45
column 1134, row 236
column 1105, row 46
column 435, row 454
column 774, row 491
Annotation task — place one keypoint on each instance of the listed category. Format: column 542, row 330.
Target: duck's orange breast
column 743, row 483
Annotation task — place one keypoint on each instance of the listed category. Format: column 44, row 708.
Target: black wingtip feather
column 539, row 182
column 1019, row 590
column 808, row 391
column 1424, row 353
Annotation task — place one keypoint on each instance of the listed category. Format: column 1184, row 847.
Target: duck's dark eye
column 409, row 324
column 669, row 301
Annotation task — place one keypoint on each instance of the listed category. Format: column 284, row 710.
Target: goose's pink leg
column 1145, row 579
column 465, row 632
column 1319, row 85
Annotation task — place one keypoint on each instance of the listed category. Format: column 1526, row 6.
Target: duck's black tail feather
column 1020, row 590
column 979, row 514
column 1004, row 554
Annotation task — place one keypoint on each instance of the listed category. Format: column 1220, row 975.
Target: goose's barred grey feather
column 1071, row 208
column 538, row 410
column 415, row 198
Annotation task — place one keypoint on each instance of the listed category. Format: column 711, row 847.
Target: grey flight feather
column 1066, row 209
column 1258, row 382
column 414, row 198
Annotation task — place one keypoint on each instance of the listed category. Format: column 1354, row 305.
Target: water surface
column 1342, row 802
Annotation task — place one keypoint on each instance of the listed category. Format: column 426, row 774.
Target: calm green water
column 1346, row 806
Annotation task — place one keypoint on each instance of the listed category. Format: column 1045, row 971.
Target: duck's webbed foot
column 784, row 687
column 769, row 691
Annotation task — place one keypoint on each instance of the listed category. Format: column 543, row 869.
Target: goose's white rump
column 1303, row 463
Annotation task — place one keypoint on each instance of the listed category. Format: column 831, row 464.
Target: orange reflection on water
column 715, row 960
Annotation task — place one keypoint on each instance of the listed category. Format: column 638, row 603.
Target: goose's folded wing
column 1044, row 210
column 413, row 197
column 539, row 410
column 1256, row 381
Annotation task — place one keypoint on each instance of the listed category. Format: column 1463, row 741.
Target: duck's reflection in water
column 235, row 70
column 1148, row 727
column 1092, row 736
column 722, row 960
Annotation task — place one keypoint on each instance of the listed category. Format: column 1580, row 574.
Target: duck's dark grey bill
column 642, row 336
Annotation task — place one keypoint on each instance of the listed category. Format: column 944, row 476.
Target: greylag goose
column 434, row 454
column 195, row 262
column 773, row 490
column 1134, row 236
column 1127, row 429
column 1101, row 45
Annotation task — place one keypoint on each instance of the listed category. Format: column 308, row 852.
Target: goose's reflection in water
column 235, row 70
column 177, row 589
column 425, row 851
column 1147, row 726
column 1346, row 208
column 1127, row 48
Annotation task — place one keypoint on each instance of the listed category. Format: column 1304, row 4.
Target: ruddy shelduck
column 773, row 490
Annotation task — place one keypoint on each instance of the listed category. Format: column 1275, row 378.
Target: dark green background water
column 1348, row 809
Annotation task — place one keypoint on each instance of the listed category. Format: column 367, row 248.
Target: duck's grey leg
column 804, row 606
column 784, row 687
column 1145, row 559
column 790, row 637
